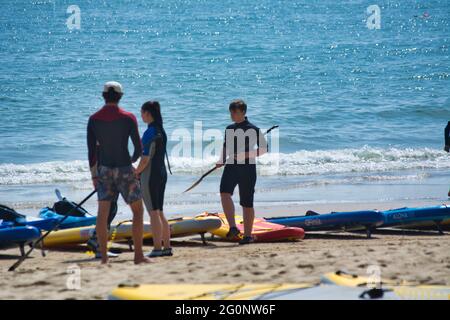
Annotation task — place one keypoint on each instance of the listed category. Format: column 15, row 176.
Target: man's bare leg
column 102, row 228
column 228, row 208
column 249, row 217
column 138, row 231
column 165, row 230
column 156, row 229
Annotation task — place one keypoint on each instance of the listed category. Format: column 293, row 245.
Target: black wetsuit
column 154, row 177
column 237, row 173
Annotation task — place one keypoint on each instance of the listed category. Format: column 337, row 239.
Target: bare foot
column 142, row 260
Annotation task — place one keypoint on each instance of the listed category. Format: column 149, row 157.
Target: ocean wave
column 44, row 172
column 300, row 163
column 363, row 160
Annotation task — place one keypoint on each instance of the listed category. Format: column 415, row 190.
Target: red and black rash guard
column 108, row 132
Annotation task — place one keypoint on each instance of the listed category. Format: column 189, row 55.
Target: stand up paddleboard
column 275, row 292
column 123, row 231
column 263, row 231
column 335, row 221
column 437, row 217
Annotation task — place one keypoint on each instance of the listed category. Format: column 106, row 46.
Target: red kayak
column 263, row 231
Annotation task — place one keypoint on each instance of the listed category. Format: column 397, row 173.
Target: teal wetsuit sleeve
column 148, row 137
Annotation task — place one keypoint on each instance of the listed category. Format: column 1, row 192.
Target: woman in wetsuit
column 153, row 175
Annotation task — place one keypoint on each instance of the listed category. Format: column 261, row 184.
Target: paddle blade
column 58, row 194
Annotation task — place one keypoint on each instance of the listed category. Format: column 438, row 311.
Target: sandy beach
column 418, row 257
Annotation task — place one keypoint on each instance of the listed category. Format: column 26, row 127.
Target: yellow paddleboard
column 351, row 280
column 179, row 228
column 201, row 291
column 402, row 289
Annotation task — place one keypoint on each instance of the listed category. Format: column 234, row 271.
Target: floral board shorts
column 115, row 180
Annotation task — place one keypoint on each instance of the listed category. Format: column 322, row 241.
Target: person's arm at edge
column 447, row 138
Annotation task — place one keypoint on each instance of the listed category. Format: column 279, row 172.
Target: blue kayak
column 11, row 237
column 335, row 221
column 10, row 217
column 39, row 223
column 70, row 222
column 409, row 218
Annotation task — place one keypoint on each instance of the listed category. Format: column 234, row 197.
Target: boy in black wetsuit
column 238, row 156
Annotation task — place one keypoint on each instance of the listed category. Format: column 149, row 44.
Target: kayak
column 437, row 217
column 11, row 237
column 70, row 221
column 123, row 231
column 10, row 217
column 41, row 224
column 263, row 231
column 275, row 292
column 335, row 221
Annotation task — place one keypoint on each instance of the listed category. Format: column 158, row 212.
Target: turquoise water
column 347, row 99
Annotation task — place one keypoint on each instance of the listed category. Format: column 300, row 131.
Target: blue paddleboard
column 409, row 217
column 348, row 221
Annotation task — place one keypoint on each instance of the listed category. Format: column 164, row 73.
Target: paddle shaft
column 22, row 258
column 212, row 170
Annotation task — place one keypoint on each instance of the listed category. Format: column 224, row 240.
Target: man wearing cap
column 108, row 133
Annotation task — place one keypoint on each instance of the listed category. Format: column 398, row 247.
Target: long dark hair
column 154, row 108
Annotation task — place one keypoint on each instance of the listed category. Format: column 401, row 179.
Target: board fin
column 311, row 213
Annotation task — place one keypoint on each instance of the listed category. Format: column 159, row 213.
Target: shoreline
column 299, row 193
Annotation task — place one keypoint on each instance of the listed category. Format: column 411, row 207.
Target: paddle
column 58, row 195
column 22, row 258
column 211, row 170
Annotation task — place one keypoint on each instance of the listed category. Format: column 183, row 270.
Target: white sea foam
column 300, row 163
